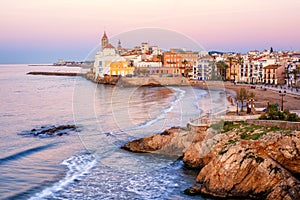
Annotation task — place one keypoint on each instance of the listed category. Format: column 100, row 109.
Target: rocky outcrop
column 241, row 160
column 285, row 150
column 258, row 168
column 199, row 153
column 110, row 80
column 45, row 131
column 246, row 172
column 173, row 141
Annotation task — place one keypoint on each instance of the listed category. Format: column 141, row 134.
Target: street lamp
column 282, row 94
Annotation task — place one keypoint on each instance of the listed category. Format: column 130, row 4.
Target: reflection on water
column 90, row 164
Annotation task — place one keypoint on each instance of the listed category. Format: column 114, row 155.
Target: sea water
column 88, row 163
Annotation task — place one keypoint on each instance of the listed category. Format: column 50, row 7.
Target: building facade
column 121, row 68
column 273, row 74
column 105, row 57
column 203, row 68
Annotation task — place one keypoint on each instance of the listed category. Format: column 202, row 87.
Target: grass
column 246, row 133
column 226, row 126
column 218, row 126
column 233, row 141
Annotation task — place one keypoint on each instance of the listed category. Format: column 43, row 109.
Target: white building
column 150, row 64
column 258, row 68
column 155, row 50
column 132, row 59
column 145, row 47
column 203, row 53
column 104, row 58
column 203, row 68
column 252, row 70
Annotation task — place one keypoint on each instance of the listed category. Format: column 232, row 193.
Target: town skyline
column 145, row 60
column 42, row 32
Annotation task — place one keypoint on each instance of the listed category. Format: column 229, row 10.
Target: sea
column 88, row 163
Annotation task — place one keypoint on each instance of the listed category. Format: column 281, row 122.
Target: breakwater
column 56, row 73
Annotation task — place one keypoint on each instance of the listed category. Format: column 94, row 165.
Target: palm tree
column 221, row 67
column 295, row 72
column 230, row 61
column 242, row 95
column 287, row 75
column 186, row 71
column 213, row 75
column 240, row 61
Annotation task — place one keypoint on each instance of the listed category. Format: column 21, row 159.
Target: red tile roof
column 109, row 46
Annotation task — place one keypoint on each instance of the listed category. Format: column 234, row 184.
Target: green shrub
column 218, row 126
column 292, row 117
column 273, row 113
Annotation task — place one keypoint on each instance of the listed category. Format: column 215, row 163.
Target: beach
column 290, row 101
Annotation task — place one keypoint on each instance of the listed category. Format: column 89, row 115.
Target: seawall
column 140, row 81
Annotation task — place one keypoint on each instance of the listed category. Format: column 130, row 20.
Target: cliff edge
column 236, row 160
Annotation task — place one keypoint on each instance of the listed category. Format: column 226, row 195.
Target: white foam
column 79, row 166
column 179, row 96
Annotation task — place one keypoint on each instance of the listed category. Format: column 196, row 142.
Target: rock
column 173, row 141
column 192, row 191
column 243, row 162
column 50, row 130
column 200, row 151
column 285, row 150
column 257, row 169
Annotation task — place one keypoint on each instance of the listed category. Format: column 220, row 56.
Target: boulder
column 260, row 169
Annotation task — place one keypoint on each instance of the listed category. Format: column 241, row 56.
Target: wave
column 78, row 166
column 25, row 153
column 179, row 94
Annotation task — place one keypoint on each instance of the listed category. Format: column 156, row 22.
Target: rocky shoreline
column 237, row 161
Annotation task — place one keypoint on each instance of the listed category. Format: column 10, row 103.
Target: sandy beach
column 290, row 101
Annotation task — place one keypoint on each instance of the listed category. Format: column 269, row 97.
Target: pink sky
column 233, row 25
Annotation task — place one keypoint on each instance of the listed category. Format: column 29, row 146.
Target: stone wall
column 240, row 118
column 280, row 124
column 153, row 80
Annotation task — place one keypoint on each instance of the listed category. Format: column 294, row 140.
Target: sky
column 43, row 31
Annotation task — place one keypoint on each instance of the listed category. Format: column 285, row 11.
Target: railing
column 208, row 118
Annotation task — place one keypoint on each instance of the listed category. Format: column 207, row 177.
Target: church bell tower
column 104, row 41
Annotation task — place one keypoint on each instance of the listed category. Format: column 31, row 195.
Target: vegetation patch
column 273, row 113
column 233, row 141
column 254, row 132
column 218, row 126
column 229, row 126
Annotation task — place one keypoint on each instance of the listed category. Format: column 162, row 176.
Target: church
column 109, row 62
